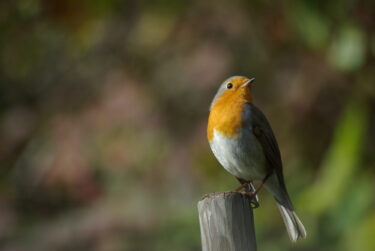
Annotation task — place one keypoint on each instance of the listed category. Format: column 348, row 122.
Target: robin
column 243, row 142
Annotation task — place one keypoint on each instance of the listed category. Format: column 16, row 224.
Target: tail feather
column 293, row 224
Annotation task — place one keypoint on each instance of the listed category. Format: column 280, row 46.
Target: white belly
column 241, row 156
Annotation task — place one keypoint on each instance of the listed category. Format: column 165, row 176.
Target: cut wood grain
column 226, row 222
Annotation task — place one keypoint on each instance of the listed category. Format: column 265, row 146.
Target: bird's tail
column 275, row 184
column 293, row 224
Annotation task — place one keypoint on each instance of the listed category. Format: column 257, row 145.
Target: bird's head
column 235, row 88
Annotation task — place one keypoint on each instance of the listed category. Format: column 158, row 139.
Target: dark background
column 104, row 104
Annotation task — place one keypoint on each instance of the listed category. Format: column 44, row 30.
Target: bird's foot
column 249, row 191
column 252, row 193
column 254, row 202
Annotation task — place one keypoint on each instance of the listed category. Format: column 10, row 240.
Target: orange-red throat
column 227, row 107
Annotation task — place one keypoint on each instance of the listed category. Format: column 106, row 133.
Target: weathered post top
column 227, row 222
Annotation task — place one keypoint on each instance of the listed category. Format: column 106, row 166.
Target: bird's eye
column 229, row 85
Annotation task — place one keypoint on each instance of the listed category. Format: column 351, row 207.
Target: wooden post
column 226, row 222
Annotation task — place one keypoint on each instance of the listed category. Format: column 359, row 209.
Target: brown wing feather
column 262, row 130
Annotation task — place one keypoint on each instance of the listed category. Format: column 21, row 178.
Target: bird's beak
column 250, row 81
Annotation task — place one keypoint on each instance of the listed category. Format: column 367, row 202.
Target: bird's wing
column 263, row 132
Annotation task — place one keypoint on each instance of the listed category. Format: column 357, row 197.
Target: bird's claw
column 254, row 201
column 252, row 193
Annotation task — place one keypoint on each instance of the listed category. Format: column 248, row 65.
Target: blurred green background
column 103, row 110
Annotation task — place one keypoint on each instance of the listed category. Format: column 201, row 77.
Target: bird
column 243, row 142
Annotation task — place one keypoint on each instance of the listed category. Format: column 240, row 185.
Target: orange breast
column 226, row 116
